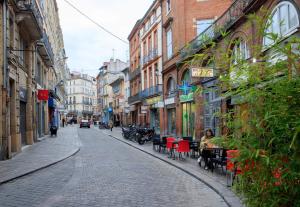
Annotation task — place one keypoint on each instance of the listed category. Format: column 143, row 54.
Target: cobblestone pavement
column 107, row 172
column 41, row 154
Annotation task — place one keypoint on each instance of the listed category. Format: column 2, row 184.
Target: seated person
column 206, row 143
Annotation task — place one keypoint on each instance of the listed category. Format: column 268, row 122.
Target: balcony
column 152, row 91
column 45, row 50
column 151, row 56
column 135, row 99
column 136, row 72
column 223, row 23
column 30, row 16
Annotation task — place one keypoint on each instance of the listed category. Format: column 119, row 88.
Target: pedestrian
column 63, row 121
column 205, row 144
column 111, row 125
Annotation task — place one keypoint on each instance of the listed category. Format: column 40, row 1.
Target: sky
column 86, row 45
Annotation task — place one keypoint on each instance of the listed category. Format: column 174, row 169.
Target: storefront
column 23, row 102
column 155, row 104
column 170, row 108
column 188, row 115
column 212, row 106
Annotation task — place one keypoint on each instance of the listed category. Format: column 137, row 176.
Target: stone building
column 27, row 59
column 108, row 73
column 81, row 99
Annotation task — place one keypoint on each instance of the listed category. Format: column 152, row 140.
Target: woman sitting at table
column 204, row 144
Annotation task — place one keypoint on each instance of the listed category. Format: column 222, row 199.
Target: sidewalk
column 214, row 180
column 42, row 154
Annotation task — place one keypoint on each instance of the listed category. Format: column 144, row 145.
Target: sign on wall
column 202, row 73
column 186, row 98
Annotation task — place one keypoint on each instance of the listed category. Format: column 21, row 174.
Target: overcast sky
column 87, row 46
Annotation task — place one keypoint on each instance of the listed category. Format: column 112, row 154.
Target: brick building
column 182, row 22
column 243, row 33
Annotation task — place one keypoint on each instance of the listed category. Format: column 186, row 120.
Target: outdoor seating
column 183, row 147
column 156, row 142
column 163, row 144
column 220, row 159
column 231, row 166
column 169, row 145
column 194, row 146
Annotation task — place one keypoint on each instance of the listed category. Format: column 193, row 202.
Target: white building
column 82, row 98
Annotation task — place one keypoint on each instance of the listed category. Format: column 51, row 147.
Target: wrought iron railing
column 223, row 23
column 48, row 46
column 154, row 90
column 31, row 6
column 134, row 98
column 152, row 54
column 134, row 73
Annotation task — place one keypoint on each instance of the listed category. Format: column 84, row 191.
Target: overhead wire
column 96, row 23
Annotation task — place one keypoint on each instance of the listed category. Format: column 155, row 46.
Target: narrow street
column 107, row 172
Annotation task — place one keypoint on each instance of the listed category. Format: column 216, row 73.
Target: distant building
column 81, row 99
column 108, row 73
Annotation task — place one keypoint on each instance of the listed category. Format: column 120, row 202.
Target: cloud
column 87, row 46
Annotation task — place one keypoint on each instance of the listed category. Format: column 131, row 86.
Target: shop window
column 172, row 121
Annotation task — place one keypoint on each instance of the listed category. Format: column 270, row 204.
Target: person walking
column 63, row 121
column 111, row 125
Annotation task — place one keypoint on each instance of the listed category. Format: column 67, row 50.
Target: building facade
column 108, row 73
column 27, row 58
column 182, row 22
column 146, row 69
column 81, row 99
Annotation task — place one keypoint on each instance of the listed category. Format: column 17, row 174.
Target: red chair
column 169, row 145
column 232, row 166
column 183, row 147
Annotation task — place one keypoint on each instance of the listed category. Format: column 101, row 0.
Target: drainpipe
column 5, row 72
column 3, row 109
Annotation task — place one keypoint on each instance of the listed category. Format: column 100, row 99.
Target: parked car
column 85, row 123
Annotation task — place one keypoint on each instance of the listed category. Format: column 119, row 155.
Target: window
column 169, row 44
column 284, row 19
column 203, row 24
column 168, row 6
column 171, row 86
column 145, row 79
column 240, row 51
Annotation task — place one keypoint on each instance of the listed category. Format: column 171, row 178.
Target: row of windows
column 283, row 21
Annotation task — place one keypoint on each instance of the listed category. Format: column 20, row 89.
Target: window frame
column 289, row 30
column 169, row 43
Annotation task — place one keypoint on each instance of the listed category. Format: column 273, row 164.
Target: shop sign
column 143, row 112
column 185, row 87
column 43, row 95
column 160, row 104
column 132, row 108
column 187, row 98
column 202, row 73
column 170, row 101
column 144, row 108
column 154, row 100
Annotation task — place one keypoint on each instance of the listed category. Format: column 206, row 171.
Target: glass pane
column 283, row 23
column 202, row 25
column 293, row 17
column 276, row 23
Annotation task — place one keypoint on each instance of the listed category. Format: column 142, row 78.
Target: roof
column 134, row 29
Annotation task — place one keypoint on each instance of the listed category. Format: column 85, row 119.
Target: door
column 23, row 122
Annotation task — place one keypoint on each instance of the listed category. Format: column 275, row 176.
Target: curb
column 40, row 168
column 224, row 197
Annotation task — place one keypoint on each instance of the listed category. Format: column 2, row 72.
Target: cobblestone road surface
column 108, row 173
